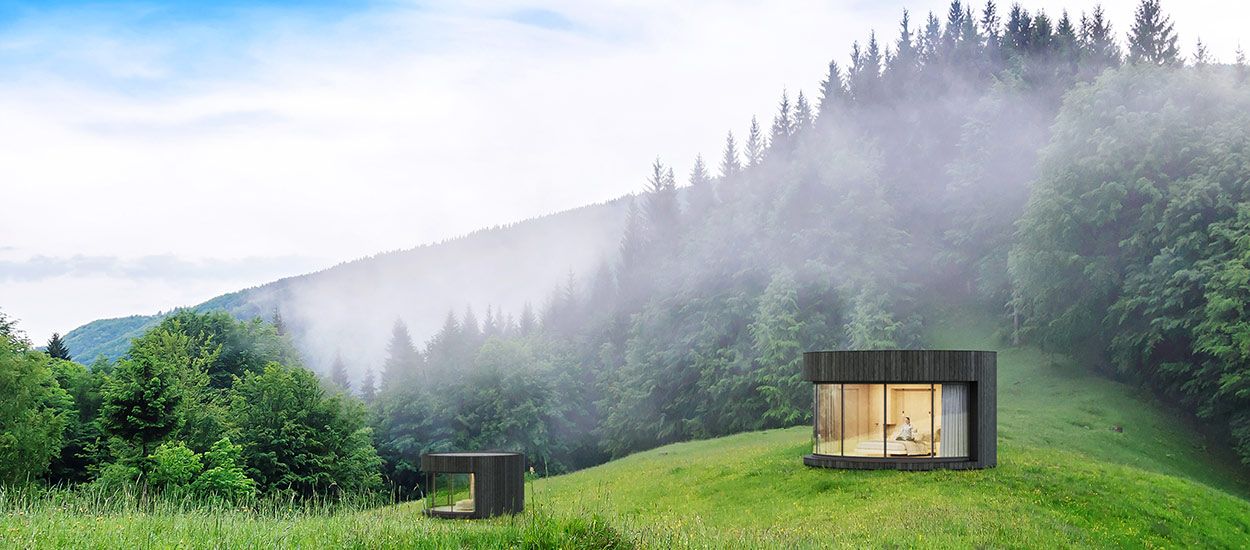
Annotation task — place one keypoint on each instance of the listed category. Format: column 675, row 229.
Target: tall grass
column 96, row 517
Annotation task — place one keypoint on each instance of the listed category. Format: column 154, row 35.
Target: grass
column 1065, row 478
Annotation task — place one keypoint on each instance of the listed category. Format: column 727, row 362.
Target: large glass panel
column 863, row 429
column 910, row 420
column 451, row 492
column 828, row 413
column 953, row 433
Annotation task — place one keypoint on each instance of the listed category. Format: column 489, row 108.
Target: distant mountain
column 352, row 306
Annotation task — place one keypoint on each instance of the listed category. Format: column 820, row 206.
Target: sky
column 156, row 154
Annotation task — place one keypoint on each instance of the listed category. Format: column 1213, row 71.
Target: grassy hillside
column 1065, row 478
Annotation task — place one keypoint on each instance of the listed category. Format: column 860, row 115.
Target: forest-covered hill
column 349, row 308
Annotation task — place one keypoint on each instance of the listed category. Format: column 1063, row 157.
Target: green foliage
column 1133, row 247
column 142, row 398
column 84, row 448
column 174, row 466
column 230, row 348
column 34, row 411
column 224, row 476
column 778, row 349
column 298, row 438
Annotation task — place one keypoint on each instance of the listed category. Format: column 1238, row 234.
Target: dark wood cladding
column 978, row 369
column 898, row 366
column 499, row 480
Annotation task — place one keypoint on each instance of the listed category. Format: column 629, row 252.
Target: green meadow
column 1065, row 478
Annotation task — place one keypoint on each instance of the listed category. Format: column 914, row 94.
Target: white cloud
column 293, row 134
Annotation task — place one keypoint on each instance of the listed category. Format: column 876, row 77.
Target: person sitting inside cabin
column 905, row 432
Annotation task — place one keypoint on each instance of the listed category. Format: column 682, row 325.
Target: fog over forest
column 1080, row 181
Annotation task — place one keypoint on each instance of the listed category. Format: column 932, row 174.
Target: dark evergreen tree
column 57, row 349
column 832, row 91
column 368, row 388
column 755, row 145
column 663, row 214
column 802, row 115
column 1201, row 56
column 783, row 125
column 1067, row 43
column 1098, row 45
column 279, row 324
column 952, row 33
column 402, row 359
column 1152, row 39
column 1018, row 32
column 729, row 160
column 990, row 25
column 1042, row 40
column 701, row 195
column 930, row 43
column 864, row 81
column 527, row 322
column 338, row 373
column 1239, row 63
column 903, row 65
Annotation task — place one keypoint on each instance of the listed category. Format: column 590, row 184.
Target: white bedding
column 893, row 447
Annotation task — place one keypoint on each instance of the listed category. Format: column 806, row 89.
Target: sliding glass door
column 892, row 420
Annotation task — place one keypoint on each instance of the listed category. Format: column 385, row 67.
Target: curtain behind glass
column 954, row 420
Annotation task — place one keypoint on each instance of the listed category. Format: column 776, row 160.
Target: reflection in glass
column 892, row 420
column 863, row 427
column 828, row 419
column 910, row 420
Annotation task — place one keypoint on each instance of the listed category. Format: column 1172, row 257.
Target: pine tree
column 1239, row 61
column 990, row 25
column 279, row 324
column 1018, row 32
column 402, row 359
column 802, row 114
column 702, row 196
column 470, row 329
column 1201, row 56
column 902, row 66
column 57, row 348
column 629, row 273
column 1042, row 40
column 783, row 124
column 832, row 91
column 729, row 162
column 930, row 42
column 368, row 387
column 663, row 214
column 338, row 373
column 490, row 325
column 865, row 77
column 1099, row 49
column 1152, row 39
column 951, row 35
column 755, row 144
column 527, row 323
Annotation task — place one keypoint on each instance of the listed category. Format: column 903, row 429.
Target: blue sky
column 194, row 148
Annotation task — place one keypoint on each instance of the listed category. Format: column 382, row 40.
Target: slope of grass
column 1065, row 478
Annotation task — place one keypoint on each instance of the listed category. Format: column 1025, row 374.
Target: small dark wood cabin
column 903, row 409
column 474, row 485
